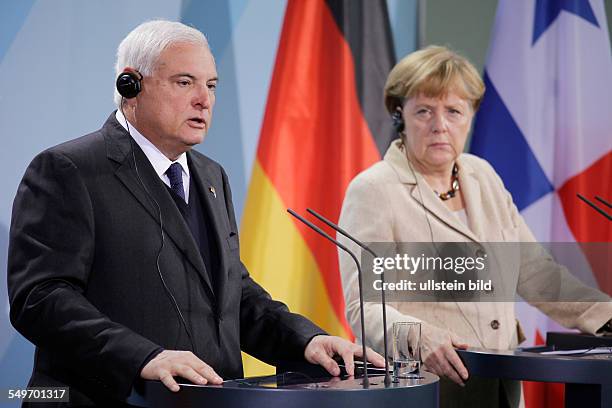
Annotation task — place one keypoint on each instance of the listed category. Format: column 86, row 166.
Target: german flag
column 324, row 123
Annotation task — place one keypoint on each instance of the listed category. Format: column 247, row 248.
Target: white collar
column 158, row 160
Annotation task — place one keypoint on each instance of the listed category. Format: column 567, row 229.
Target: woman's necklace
column 454, row 186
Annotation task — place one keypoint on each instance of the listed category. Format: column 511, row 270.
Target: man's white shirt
column 159, row 162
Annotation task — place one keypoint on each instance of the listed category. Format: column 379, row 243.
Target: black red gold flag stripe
column 324, row 123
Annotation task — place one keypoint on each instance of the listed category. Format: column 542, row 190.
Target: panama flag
column 545, row 125
column 324, row 123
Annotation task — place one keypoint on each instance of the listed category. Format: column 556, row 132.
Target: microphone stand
column 599, row 210
column 366, row 382
column 382, row 278
column 601, row 200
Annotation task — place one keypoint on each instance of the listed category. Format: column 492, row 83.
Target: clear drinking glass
column 406, row 350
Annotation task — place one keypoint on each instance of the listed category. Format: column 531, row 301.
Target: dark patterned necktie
column 175, row 174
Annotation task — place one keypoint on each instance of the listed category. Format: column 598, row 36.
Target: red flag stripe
column 314, row 139
column 586, row 224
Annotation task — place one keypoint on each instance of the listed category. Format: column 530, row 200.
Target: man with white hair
column 123, row 257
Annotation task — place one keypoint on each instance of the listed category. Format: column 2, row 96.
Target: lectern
column 587, row 377
column 292, row 389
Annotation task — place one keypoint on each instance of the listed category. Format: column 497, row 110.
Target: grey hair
column 141, row 48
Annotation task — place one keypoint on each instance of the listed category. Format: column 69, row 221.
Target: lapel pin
column 213, row 191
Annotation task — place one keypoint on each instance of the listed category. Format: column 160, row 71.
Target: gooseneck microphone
column 601, row 200
column 382, row 278
column 366, row 382
column 595, row 207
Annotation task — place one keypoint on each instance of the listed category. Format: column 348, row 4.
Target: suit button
column 480, row 253
column 495, row 324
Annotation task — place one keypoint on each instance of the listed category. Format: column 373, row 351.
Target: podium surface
column 587, row 377
column 293, row 390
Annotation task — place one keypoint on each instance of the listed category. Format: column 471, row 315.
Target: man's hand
column 321, row 349
column 170, row 363
column 440, row 357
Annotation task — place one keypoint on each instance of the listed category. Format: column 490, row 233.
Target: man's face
column 174, row 108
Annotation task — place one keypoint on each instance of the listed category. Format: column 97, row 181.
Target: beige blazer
column 383, row 204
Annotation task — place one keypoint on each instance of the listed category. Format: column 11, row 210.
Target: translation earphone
column 128, row 84
column 398, row 121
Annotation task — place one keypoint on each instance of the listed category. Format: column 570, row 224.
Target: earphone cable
column 162, row 236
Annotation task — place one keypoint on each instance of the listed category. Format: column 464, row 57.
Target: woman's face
column 436, row 129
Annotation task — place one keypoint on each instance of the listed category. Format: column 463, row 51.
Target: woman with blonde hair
column 426, row 189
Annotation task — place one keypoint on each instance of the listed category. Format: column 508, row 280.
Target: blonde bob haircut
column 433, row 71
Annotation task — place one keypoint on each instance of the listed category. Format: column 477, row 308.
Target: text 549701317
column 37, row 394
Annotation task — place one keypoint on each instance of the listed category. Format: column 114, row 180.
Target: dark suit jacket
column 83, row 282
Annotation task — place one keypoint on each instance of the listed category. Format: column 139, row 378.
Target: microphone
column 382, row 278
column 601, row 200
column 365, row 382
column 599, row 210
